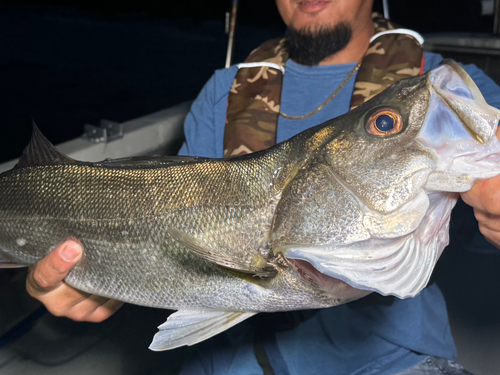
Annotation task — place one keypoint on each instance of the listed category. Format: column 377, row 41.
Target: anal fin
column 258, row 267
column 189, row 327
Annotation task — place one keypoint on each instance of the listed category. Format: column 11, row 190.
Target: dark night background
column 66, row 63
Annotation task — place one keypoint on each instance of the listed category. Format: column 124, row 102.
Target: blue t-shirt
column 362, row 337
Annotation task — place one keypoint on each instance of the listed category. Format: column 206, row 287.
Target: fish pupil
column 384, row 123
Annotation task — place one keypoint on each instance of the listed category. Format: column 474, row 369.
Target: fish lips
column 460, row 130
column 463, row 98
column 453, row 90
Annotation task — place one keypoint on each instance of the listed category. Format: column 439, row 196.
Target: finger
column 105, row 310
column 62, row 299
column 488, row 219
column 485, row 195
column 77, row 305
column 473, row 197
column 82, row 310
column 492, row 236
column 51, row 270
column 94, row 309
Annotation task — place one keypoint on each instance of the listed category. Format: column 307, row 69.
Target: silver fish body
column 339, row 211
column 125, row 216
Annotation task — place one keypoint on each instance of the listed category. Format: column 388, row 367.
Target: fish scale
column 329, row 216
column 127, row 240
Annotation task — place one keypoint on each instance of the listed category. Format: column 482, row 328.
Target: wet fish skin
column 122, row 215
column 220, row 240
column 121, row 218
column 362, row 162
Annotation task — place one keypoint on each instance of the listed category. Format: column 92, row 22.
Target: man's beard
column 310, row 47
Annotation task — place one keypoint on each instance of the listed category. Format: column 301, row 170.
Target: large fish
column 356, row 205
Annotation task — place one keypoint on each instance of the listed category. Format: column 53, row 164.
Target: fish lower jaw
column 334, row 287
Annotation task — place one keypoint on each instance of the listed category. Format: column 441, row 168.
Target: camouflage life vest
column 255, row 95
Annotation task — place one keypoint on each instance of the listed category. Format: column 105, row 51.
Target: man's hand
column 45, row 283
column 484, row 197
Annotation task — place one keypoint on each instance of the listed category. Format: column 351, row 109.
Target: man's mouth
column 313, row 6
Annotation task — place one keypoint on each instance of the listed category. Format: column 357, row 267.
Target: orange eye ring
column 384, row 122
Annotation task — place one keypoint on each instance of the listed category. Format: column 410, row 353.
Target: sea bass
column 356, row 205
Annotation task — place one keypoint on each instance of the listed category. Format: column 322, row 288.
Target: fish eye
column 384, row 122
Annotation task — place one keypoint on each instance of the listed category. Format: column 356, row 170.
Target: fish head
column 371, row 206
column 435, row 132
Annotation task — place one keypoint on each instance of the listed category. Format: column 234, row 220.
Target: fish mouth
column 456, row 89
column 460, row 130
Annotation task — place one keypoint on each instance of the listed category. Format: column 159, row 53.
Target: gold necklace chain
column 326, row 101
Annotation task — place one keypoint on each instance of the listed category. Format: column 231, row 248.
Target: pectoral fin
column 258, row 267
column 189, row 327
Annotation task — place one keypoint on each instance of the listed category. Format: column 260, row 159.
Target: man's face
column 316, row 13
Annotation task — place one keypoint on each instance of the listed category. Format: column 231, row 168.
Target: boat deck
column 45, row 345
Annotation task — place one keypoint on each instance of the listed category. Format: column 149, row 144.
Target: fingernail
column 70, row 252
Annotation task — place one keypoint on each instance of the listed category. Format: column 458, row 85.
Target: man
column 326, row 41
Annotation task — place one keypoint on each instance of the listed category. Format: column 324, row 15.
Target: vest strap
column 255, row 97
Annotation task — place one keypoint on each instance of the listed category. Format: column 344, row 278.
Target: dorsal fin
column 41, row 152
column 155, row 161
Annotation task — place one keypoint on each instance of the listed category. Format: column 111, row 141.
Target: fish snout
column 459, row 129
column 456, row 90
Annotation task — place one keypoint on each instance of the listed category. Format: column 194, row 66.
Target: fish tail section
column 189, row 327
